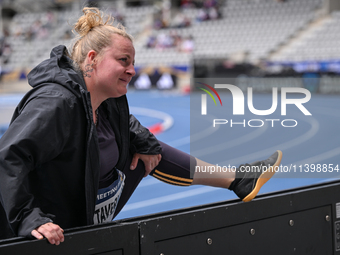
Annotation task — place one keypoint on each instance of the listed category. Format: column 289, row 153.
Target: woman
column 73, row 155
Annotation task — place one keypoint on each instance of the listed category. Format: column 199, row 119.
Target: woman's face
column 115, row 67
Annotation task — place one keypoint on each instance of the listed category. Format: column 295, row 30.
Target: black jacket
column 49, row 156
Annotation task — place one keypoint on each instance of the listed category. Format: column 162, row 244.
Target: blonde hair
column 95, row 30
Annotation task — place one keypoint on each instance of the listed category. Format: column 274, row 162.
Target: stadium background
column 176, row 41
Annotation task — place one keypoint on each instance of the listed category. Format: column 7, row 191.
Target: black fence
column 305, row 220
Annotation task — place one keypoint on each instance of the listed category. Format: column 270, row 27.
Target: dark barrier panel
column 300, row 221
column 111, row 239
column 305, row 220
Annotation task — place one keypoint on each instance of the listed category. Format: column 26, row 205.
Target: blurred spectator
column 202, row 15
column 164, row 41
column 177, row 39
column 181, row 21
column 209, row 11
column 6, row 52
column 29, row 35
column 187, row 4
column 171, row 40
column 213, row 13
column 159, row 23
column 5, row 48
column 191, row 4
column 162, row 18
column 188, row 45
column 210, row 4
column 40, row 29
column 17, row 30
column 152, row 41
column 35, row 28
column 166, row 11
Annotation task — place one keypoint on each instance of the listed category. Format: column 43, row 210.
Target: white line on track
column 167, row 119
column 326, row 111
column 259, row 155
column 236, row 142
column 194, row 137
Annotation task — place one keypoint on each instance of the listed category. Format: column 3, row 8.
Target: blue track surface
column 314, row 140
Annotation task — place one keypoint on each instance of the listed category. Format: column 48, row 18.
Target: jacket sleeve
column 35, row 136
column 142, row 140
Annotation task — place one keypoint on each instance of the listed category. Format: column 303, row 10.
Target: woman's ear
column 90, row 63
column 91, row 55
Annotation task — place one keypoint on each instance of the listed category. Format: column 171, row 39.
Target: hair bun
column 92, row 18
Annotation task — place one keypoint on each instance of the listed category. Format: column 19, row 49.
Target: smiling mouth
column 124, row 80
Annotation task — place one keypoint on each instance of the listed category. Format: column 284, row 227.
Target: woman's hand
column 150, row 162
column 52, row 232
